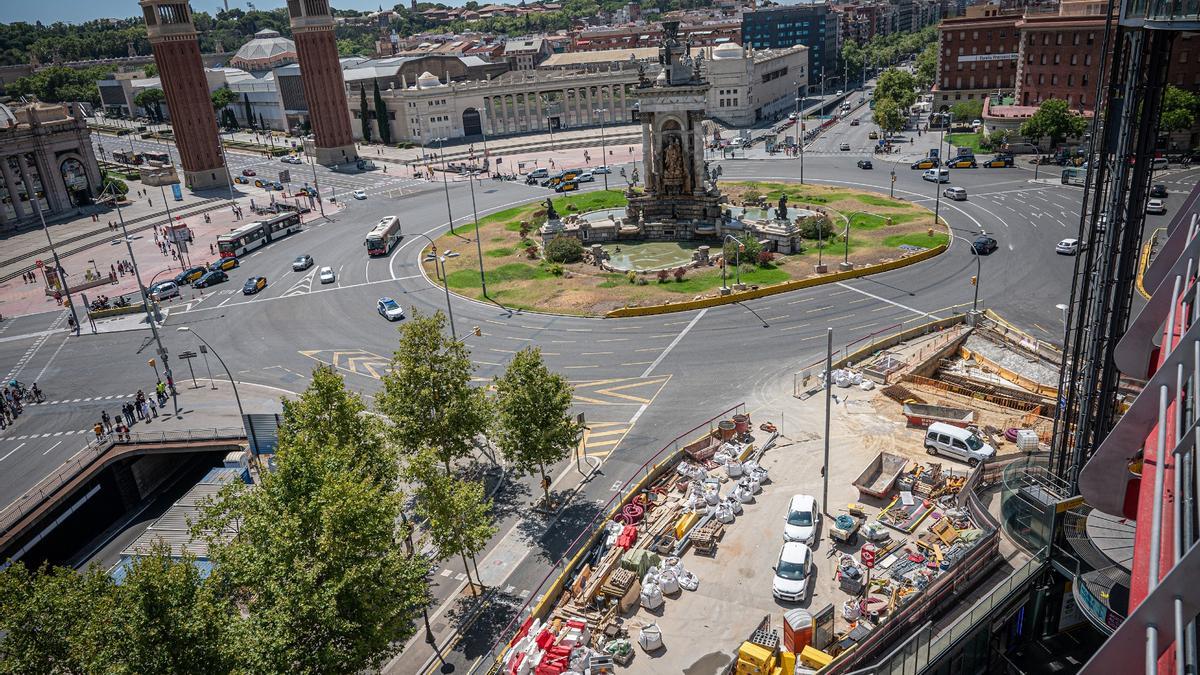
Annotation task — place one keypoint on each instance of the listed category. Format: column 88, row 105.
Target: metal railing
column 87, row 455
column 569, row 560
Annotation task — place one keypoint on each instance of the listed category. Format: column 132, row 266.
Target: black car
column 189, row 275
column 985, row 245
column 865, row 164
column 254, row 285
column 1158, row 190
column 210, row 278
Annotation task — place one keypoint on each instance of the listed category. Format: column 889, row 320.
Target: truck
column 880, row 475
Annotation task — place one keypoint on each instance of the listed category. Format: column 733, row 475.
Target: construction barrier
column 784, row 287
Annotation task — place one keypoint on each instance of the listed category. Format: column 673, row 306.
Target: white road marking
column 10, row 452
column 663, row 355
column 52, row 447
column 890, row 302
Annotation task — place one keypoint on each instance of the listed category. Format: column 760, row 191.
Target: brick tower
column 177, row 54
column 321, row 75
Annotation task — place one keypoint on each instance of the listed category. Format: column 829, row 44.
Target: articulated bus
column 383, row 237
column 248, row 237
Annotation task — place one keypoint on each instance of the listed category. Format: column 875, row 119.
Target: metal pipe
column 828, row 395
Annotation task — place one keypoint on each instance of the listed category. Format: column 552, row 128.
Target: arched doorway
column 75, row 177
column 472, row 125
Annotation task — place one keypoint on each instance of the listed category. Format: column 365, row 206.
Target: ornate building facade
column 46, row 162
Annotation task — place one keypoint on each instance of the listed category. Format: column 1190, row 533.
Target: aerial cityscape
column 583, row 337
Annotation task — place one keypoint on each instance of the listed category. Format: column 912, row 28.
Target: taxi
column 927, row 163
column 241, row 180
column 224, row 264
column 962, row 163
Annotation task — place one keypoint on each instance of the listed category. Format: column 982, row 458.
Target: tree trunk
column 467, row 570
column 545, row 485
column 477, row 577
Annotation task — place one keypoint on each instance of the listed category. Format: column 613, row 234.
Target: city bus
column 159, row 157
column 383, row 237
column 248, row 237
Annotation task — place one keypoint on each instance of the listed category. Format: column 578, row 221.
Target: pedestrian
column 99, row 431
column 151, row 202
column 113, row 269
column 211, row 250
column 153, row 408
column 143, row 411
column 106, row 420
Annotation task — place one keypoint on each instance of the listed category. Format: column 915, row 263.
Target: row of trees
column 313, row 569
column 895, row 92
column 886, row 50
column 380, row 114
column 60, row 83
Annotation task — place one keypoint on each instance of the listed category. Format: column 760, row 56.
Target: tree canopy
column 1179, row 109
column 58, row 84
column 1054, row 120
column 896, row 85
column 888, row 116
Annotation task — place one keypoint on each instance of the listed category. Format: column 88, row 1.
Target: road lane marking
column 682, row 333
column 890, row 302
column 10, row 452
column 52, row 447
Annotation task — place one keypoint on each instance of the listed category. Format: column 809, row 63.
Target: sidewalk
column 101, row 254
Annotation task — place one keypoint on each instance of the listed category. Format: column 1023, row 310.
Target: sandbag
column 733, row 469
column 688, row 581
column 650, row 637
column 651, row 597
column 668, row 582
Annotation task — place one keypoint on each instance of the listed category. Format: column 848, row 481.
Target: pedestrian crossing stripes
column 89, row 399
column 50, row 434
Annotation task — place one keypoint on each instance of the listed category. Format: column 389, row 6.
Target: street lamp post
column 737, row 263
column 478, row 243
column 445, row 181
column 846, row 254
column 162, row 351
column 445, row 283
column 603, row 146
column 316, row 185
column 937, row 182
column 232, row 382
column 800, row 133
column 58, row 270
column 978, row 273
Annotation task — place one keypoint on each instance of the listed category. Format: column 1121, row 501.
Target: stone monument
column 680, row 201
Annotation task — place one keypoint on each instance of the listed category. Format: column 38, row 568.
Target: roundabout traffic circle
column 831, row 230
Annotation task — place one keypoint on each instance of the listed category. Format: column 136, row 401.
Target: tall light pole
column 58, row 270
column 232, row 382
column 316, row 185
column 846, row 253
column 162, row 351
column 828, row 394
column 737, row 263
column 937, row 183
column 603, row 146
column 445, row 182
column 445, row 282
column 549, row 126
column 978, row 272
column 800, row 133
column 478, row 243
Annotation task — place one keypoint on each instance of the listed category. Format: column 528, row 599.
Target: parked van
column 958, row 443
column 164, row 290
column 1021, row 149
column 1158, row 164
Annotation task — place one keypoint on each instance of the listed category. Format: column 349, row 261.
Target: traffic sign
column 285, row 176
column 40, row 264
column 187, row 355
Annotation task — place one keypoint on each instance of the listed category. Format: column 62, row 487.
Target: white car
column 326, row 275
column 389, row 309
column 1156, row 206
column 1067, row 247
column 844, row 146
column 801, row 521
column 359, row 194
column 601, row 169
column 791, row 572
column 586, row 177
column 936, row 175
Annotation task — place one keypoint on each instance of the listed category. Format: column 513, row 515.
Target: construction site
column 697, row 570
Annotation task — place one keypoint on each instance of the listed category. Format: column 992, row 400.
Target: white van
column 164, row 290
column 1158, row 164
column 958, row 443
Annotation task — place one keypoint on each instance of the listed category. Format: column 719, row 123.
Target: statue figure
column 781, row 212
column 673, row 160
column 635, row 176
column 551, row 214
column 643, row 81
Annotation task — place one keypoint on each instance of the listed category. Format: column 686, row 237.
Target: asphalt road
column 639, row 381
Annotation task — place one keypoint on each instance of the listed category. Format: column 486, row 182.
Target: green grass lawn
column 583, row 202
column 500, row 252
column 971, row 141
column 916, row 239
column 872, row 200
column 706, row 281
column 510, row 272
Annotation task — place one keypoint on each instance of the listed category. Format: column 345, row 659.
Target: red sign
column 39, row 263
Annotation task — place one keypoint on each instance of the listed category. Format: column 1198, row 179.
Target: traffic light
column 974, row 280
column 151, row 362
column 476, row 331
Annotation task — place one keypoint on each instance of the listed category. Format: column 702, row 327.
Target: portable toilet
column 797, row 630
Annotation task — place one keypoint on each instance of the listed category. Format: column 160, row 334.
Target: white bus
column 383, row 237
column 253, row 235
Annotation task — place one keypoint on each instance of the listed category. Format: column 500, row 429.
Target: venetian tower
column 177, row 55
column 321, row 75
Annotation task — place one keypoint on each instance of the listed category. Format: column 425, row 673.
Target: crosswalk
column 302, row 286
column 86, row 399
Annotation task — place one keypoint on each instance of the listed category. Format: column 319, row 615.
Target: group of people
column 13, row 399
column 141, row 408
column 29, row 277
column 122, row 267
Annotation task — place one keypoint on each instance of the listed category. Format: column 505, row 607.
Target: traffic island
column 588, row 259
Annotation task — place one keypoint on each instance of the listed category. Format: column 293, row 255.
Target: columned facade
column 177, row 55
column 324, row 86
column 46, row 163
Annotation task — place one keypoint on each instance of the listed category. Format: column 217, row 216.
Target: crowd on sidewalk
column 143, row 408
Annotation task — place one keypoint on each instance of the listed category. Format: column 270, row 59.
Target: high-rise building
column 177, row 55
column 324, row 88
column 811, row 25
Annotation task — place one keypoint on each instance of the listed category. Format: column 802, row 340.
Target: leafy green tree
column 1179, row 110
column 364, row 114
column 150, row 70
column 314, row 564
column 1055, row 120
column 52, row 620
column 898, row 86
column 749, row 246
column 888, row 116
column 248, row 110
column 853, row 58
column 965, row 111
column 927, row 66
column 533, row 426
column 151, row 101
column 60, row 84
column 381, row 118
column 458, row 516
column 222, row 98
column 166, row 618
column 427, row 393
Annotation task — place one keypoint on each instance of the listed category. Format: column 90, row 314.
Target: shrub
column 114, row 185
column 564, row 250
column 815, row 228
column 765, row 258
column 663, row 276
column 526, row 228
column 750, row 249
column 679, row 272
column 631, row 276
column 752, row 197
column 531, row 251
column 556, row 269
column 641, row 281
